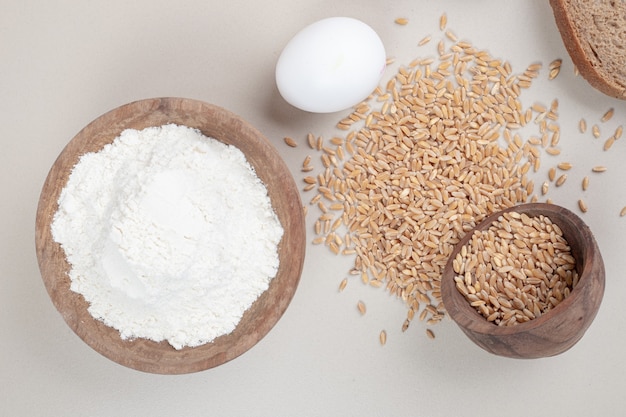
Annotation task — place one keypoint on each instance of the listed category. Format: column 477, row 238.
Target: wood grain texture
column 258, row 320
column 557, row 330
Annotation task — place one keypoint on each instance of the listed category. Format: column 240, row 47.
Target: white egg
column 330, row 65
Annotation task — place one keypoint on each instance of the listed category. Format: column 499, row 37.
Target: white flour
column 170, row 235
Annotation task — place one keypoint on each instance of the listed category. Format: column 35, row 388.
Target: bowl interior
column 146, row 355
column 583, row 249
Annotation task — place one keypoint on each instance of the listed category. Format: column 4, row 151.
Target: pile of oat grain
column 445, row 143
column 516, row 270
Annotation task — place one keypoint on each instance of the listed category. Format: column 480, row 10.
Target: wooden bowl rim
column 143, row 354
column 476, row 324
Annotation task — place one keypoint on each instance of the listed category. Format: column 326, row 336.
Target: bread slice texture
column 594, row 34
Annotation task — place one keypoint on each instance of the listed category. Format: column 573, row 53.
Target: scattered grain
column 555, row 68
column 443, row 21
column 564, row 166
column 582, row 205
column 622, row 213
column 361, row 307
column 608, row 115
column 553, row 73
column 311, row 141
column 401, row 21
column 582, row 126
column 561, row 180
column 585, row 183
column 343, row 284
column 428, row 165
column 552, row 174
column 608, row 143
column 424, row 40
column 450, row 35
column 336, row 141
column 595, row 131
column 383, row 337
column 306, row 164
column 430, row 334
column 290, row 142
column 405, row 325
column 554, row 106
column 599, row 168
column 556, row 63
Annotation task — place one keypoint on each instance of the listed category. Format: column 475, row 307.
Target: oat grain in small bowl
column 526, row 282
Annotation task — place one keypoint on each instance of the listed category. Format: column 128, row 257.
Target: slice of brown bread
column 594, row 34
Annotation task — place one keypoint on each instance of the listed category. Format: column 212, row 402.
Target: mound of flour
column 170, row 235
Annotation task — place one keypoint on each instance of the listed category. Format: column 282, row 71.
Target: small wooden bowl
column 143, row 354
column 557, row 330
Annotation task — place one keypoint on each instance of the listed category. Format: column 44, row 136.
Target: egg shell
column 330, row 65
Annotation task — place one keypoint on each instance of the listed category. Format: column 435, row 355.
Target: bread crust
column 596, row 75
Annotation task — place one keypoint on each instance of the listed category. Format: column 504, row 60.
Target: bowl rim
column 477, row 324
column 143, row 354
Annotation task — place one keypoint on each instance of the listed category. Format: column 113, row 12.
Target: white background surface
column 64, row 63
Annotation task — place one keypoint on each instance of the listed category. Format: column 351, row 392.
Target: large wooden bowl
column 146, row 355
column 551, row 333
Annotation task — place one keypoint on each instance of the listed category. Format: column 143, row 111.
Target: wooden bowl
column 553, row 332
column 143, row 354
